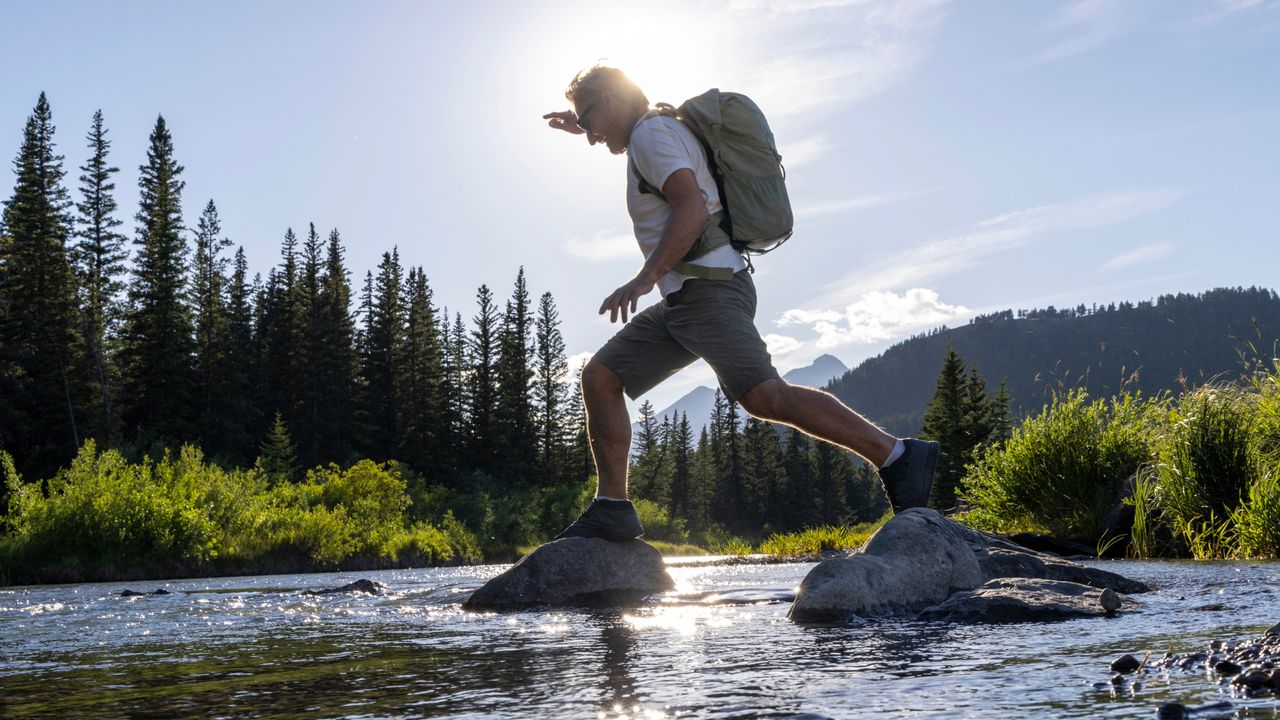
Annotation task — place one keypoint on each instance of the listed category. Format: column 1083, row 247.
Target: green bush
column 658, row 524
column 106, row 518
column 1208, row 462
column 1062, row 470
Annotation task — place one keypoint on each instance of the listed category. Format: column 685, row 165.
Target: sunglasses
column 582, row 119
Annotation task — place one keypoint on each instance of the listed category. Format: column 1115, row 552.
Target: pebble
column 1125, row 664
column 1226, row 667
column 1117, row 679
column 1109, row 600
column 1172, row 711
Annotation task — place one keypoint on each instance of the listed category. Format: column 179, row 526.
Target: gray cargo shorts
column 709, row 319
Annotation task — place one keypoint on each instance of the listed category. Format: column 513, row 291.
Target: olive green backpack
column 749, row 175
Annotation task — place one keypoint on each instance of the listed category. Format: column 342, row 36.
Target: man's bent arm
column 684, row 225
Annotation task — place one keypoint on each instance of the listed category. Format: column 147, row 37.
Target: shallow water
column 720, row 646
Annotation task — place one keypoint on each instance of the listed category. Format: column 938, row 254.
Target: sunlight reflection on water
column 718, row 646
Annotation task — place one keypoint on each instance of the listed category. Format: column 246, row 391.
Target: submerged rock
column 135, row 593
column 1251, row 664
column 577, row 572
column 1019, row 600
column 1125, row 664
column 919, row 559
column 360, row 586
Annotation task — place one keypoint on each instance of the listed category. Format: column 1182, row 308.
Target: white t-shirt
column 660, row 146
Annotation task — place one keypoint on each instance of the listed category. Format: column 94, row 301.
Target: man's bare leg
column 821, row 415
column 608, row 428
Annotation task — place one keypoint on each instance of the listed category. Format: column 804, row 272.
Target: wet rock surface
column 1009, row 600
column 1252, row 666
column 134, row 593
column 359, row 586
column 577, row 572
column 919, row 560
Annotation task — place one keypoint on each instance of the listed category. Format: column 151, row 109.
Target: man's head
column 608, row 105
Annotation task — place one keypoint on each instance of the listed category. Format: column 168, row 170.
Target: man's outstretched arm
column 684, row 225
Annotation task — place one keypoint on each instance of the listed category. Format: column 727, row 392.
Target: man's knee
column 768, row 400
column 599, row 380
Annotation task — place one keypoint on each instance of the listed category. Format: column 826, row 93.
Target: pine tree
column 704, row 497
column 1002, row 427
column 276, row 456
column 646, row 454
column 800, row 509
column 99, row 259
column 944, row 421
column 306, row 425
column 681, row 467
column 763, row 484
column 38, row 338
column 334, row 362
column 513, row 374
column 550, row 372
column 283, row 338
column 382, row 351
column 213, row 349
column 239, row 414
column 831, row 468
column 482, row 385
column 158, row 339
column 453, row 391
column 420, row 381
column 979, row 417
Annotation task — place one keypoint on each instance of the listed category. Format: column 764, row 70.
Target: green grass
column 814, row 541
column 1063, row 469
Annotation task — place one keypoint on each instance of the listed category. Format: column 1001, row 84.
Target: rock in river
column 1007, row 600
column 920, row 559
column 577, row 572
column 359, row 586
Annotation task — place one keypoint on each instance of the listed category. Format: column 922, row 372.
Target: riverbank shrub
column 105, row 518
column 1062, row 470
column 1208, row 463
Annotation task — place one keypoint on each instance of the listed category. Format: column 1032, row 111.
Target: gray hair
column 593, row 82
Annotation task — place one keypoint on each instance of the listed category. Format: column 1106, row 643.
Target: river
column 719, row 646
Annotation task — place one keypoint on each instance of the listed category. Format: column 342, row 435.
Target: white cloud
column 876, row 316
column 864, row 202
column 575, row 362
column 1083, row 26
column 604, row 246
column 1227, row 9
column 781, row 344
column 803, row 152
column 876, row 44
column 1137, row 256
column 940, row 258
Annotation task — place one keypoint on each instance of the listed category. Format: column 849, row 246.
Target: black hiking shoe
column 909, row 479
column 614, row 520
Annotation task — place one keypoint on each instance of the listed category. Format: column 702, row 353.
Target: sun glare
column 669, row 52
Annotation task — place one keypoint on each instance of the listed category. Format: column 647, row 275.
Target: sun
column 666, row 50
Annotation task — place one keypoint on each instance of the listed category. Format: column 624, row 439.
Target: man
column 712, row 319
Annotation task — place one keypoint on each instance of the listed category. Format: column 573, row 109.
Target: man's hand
column 625, row 297
column 565, row 120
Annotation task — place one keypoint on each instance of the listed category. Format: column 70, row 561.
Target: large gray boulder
column 919, row 559
column 1010, row 600
column 577, row 572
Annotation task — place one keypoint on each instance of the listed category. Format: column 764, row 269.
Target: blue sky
column 944, row 158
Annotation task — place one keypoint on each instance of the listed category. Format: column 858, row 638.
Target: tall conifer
column 334, row 360
column 483, row 381
column 158, row 339
column 551, row 370
column 99, row 258
column 38, row 337
column 213, row 348
column 513, row 375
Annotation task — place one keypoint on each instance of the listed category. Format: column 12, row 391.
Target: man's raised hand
column 566, row 120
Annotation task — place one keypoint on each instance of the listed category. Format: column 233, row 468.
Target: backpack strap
column 714, row 233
